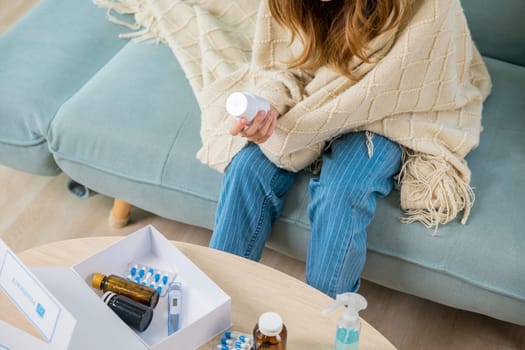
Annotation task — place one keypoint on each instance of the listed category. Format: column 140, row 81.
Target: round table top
column 254, row 288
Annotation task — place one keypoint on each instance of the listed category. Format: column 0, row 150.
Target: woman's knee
column 353, row 173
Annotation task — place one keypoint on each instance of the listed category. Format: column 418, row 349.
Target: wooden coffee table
column 254, row 288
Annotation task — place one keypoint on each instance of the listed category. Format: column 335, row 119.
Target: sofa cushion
column 46, row 57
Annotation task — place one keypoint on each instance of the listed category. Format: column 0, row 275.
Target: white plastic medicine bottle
column 245, row 104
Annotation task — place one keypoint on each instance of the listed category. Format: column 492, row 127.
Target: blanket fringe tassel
column 143, row 19
column 432, row 190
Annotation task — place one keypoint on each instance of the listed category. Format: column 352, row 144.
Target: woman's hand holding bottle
column 259, row 130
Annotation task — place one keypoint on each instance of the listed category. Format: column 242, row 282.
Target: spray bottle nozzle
column 352, row 301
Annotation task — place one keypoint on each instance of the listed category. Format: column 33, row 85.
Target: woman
column 344, row 194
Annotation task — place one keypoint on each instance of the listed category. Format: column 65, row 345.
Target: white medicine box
column 70, row 314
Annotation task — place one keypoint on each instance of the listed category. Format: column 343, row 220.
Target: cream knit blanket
column 424, row 89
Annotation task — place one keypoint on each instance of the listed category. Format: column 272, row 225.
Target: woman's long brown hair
column 332, row 32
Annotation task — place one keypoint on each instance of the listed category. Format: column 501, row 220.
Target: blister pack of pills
column 150, row 276
column 235, row 340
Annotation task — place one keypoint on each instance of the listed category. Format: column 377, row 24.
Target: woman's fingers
column 266, row 129
column 257, row 123
column 238, row 126
column 259, row 130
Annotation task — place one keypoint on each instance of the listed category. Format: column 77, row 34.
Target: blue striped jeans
column 342, row 204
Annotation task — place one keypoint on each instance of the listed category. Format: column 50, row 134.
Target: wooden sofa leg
column 119, row 215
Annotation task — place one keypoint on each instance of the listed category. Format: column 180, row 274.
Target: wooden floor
column 35, row 210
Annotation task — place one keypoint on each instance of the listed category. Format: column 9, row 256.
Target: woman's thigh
column 251, row 199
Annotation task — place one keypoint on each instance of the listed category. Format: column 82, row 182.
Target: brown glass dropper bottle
column 112, row 283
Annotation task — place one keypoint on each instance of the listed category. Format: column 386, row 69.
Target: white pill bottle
column 245, row 104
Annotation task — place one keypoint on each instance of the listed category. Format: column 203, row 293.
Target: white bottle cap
column 270, row 324
column 237, row 104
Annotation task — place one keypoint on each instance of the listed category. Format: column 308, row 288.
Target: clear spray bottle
column 349, row 325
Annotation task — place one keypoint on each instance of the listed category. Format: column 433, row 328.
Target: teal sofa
column 120, row 118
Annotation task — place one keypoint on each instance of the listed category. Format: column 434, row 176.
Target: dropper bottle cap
column 96, row 280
